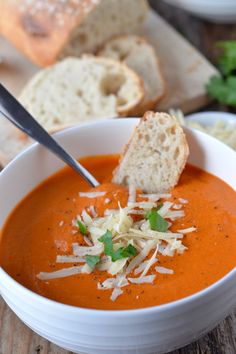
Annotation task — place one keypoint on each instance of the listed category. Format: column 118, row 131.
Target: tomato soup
column 40, row 229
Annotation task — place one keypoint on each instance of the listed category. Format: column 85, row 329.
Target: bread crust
column 39, row 35
column 144, row 105
column 42, row 34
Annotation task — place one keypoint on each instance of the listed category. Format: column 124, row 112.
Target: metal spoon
column 17, row 114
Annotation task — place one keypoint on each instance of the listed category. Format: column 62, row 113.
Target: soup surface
column 40, row 228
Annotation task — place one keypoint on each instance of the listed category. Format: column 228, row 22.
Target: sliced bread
column 46, row 30
column 108, row 19
column 155, row 155
column 140, row 56
column 81, row 89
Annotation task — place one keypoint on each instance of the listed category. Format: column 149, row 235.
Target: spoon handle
column 17, row 114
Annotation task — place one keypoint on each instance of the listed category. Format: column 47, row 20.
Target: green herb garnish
column 92, row 260
column 82, row 227
column 107, row 240
column 156, row 221
column 124, row 252
column 227, row 60
column 223, row 90
column 121, row 253
column 148, row 213
column 223, row 87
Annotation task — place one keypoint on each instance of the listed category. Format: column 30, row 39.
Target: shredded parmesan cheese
column 163, row 270
column 62, row 273
column 149, row 263
column 93, row 251
column 144, row 264
column 92, row 211
column 108, row 212
column 69, row 259
column 88, row 241
column 92, row 194
column 141, row 280
column 129, row 229
column 136, row 212
column 117, row 266
column 188, row 230
column 142, row 205
column 86, row 217
column 165, row 208
column 174, row 214
column 140, row 257
column 183, row 201
column 115, row 293
column 177, row 206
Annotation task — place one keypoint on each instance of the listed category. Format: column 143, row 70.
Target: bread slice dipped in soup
column 155, row 230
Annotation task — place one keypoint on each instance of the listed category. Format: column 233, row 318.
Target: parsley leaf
column 123, row 252
column 227, row 60
column 224, row 90
column 92, row 260
column 82, row 227
column 107, row 240
column 158, row 207
column 156, row 221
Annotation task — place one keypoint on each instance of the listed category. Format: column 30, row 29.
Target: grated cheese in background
column 124, row 232
column 220, row 130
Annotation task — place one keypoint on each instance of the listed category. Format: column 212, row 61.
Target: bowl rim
column 120, row 312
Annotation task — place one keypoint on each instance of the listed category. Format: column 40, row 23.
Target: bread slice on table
column 81, row 89
column 48, row 30
column 155, row 156
column 140, row 56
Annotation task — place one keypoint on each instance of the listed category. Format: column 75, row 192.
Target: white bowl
column 221, row 11
column 151, row 330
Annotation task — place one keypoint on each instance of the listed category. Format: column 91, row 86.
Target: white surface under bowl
column 219, row 11
column 151, row 330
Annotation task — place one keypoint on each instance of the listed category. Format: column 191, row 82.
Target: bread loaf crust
column 43, row 29
column 125, row 48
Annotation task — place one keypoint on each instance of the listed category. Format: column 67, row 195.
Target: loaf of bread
column 48, row 30
column 155, row 156
column 140, row 56
column 81, row 89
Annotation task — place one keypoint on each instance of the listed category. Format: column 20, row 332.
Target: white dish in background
column 221, row 125
column 219, row 11
column 210, row 118
column 156, row 329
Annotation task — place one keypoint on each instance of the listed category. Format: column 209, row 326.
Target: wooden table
column 15, row 338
